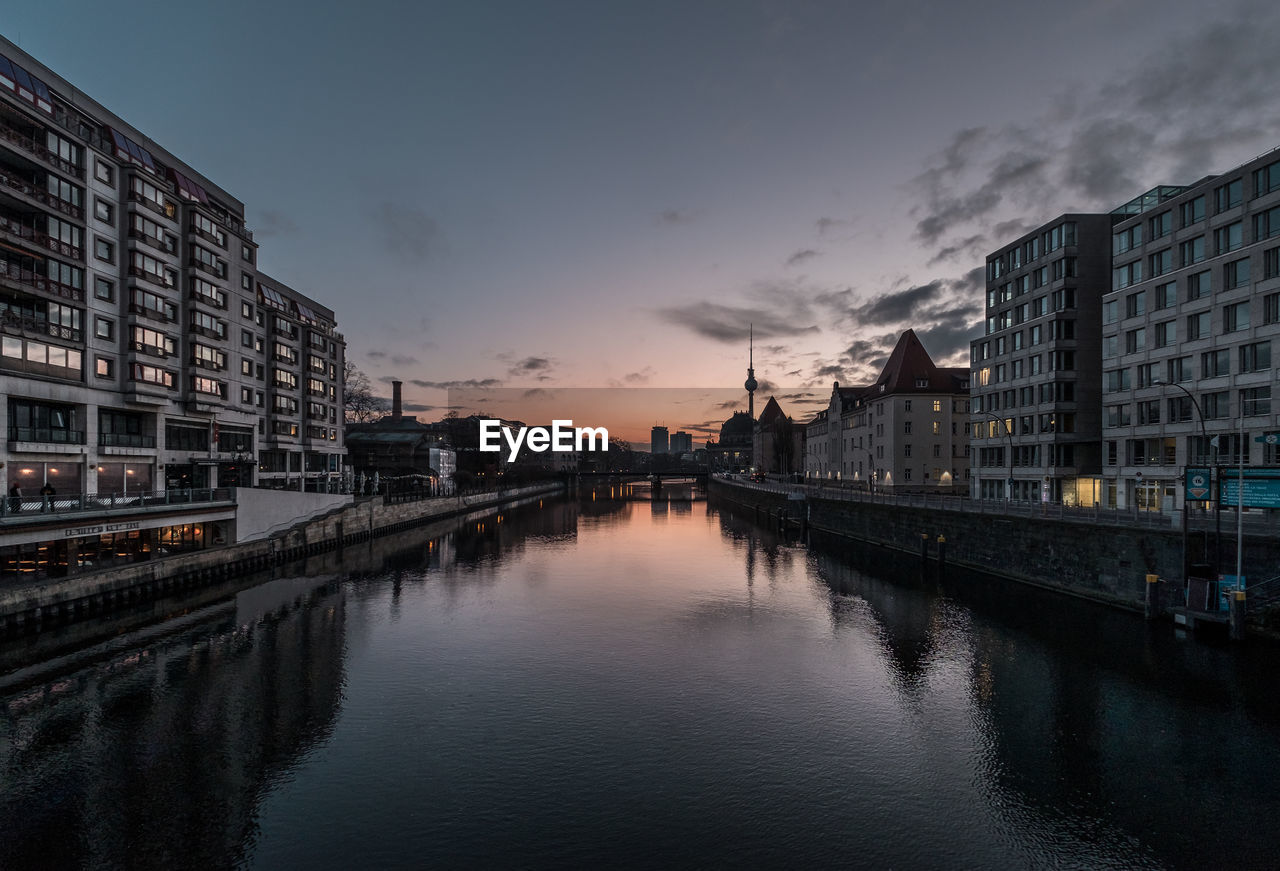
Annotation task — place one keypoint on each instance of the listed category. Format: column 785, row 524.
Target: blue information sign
column 1261, row 488
column 1198, row 485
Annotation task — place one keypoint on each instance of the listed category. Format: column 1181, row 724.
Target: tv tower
column 751, row 384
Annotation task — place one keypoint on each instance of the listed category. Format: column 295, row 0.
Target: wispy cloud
column 407, row 232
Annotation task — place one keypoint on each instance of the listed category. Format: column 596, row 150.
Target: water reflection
column 604, row 682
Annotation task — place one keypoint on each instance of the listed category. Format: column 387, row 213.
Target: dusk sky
column 594, row 194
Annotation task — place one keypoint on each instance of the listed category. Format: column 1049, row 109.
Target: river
column 621, row 682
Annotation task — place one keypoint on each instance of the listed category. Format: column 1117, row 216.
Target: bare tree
column 361, row 406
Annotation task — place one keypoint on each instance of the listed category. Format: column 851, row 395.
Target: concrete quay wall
column 1101, row 562
column 27, row 607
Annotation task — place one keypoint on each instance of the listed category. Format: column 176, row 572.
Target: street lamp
column 1008, row 433
column 1204, row 438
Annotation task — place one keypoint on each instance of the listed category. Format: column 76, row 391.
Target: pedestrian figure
column 15, row 499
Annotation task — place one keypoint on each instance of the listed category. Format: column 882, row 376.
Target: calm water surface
column 626, row 683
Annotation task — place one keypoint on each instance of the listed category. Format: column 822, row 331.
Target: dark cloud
column 641, row 377
column 801, row 256
column 899, row 306
column 406, row 231
column 470, row 383
column 530, row 365
column 418, row 406
column 1193, row 105
column 727, row 323
column 968, row 247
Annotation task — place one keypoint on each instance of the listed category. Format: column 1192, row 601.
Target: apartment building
column 905, row 432
column 1036, row 370
column 141, row 348
column 1188, row 327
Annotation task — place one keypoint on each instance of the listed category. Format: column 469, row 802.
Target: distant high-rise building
column 681, row 443
column 658, row 441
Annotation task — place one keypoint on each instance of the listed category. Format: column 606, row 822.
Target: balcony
column 158, row 244
column 26, row 144
column 32, row 237
column 167, row 210
column 46, row 435
column 11, row 182
column 12, row 322
column 23, row 279
column 125, row 440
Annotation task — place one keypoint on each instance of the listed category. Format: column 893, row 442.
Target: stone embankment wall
column 84, row 595
column 1101, row 562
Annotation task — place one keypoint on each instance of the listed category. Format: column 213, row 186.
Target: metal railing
column 966, row 504
column 30, row 508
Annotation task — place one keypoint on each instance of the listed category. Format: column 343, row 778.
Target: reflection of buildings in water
column 659, row 508
column 157, row 757
column 761, row 545
column 907, row 619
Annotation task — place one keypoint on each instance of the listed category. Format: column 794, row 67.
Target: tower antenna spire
column 751, row 384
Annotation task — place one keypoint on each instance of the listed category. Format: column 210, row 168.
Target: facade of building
column 1036, row 371
column 141, row 349
column 1188, row 326
column 777, row 446
column 907, row 431
column 681, row 443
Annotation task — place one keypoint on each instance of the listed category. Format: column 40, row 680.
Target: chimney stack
column 396, row 410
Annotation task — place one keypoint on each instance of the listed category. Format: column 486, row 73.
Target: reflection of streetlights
column 1204, row 439
column 1008, row 433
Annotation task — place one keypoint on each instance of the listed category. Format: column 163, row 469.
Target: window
column 152, row 375
column 1179, row 370
column 1255, row 357
column 285, row 378
column 1110, row 346
column 1160, row 262
column 1148, row 374
column 206, row 259
column 246, row 253
column 104, row 367
column 207, row 324
column 1198, row 285
column 1267, row 179
column 1271, row 308
column 104, row 172
column 104, row 250
column 1115, row 380
column 1118, row 415
column 104, row 289
column 1129, row 273
column 204, row 227
column 1271, row 263
column 208, row 386
column 206, row 357
column 31, row 421
column 246, row 310
column 1266, row 224
column 1110, row 311
column 152, row 342
column 1148, row 412
column 1228, row 195
column 246, row 395
column 104, row 211
column 1235, row 317
column 178, row 437
column 1228, row 238
column 152, row 305
column 1192, row 211
column 1192, row 251
column 246, row 281
column 145, row 266
column 1164, row 295
column 1215, row 363
column 207, row 292
column 1197, row 326
column 1135, row 340
column 143, row 191
column 1255, row 401
column 1215, row 405
column 103, row 328
column 1165, row 334
column 1235, row 274
column 1135, row 304
column 1126, row 239
column 1180, row 409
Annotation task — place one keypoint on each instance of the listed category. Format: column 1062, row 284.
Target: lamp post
column 1204, row 438
column 1008, row 433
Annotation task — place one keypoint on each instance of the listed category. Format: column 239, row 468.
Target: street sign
column 1268, row 438
column 1261, row 488
column 1197, row 486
